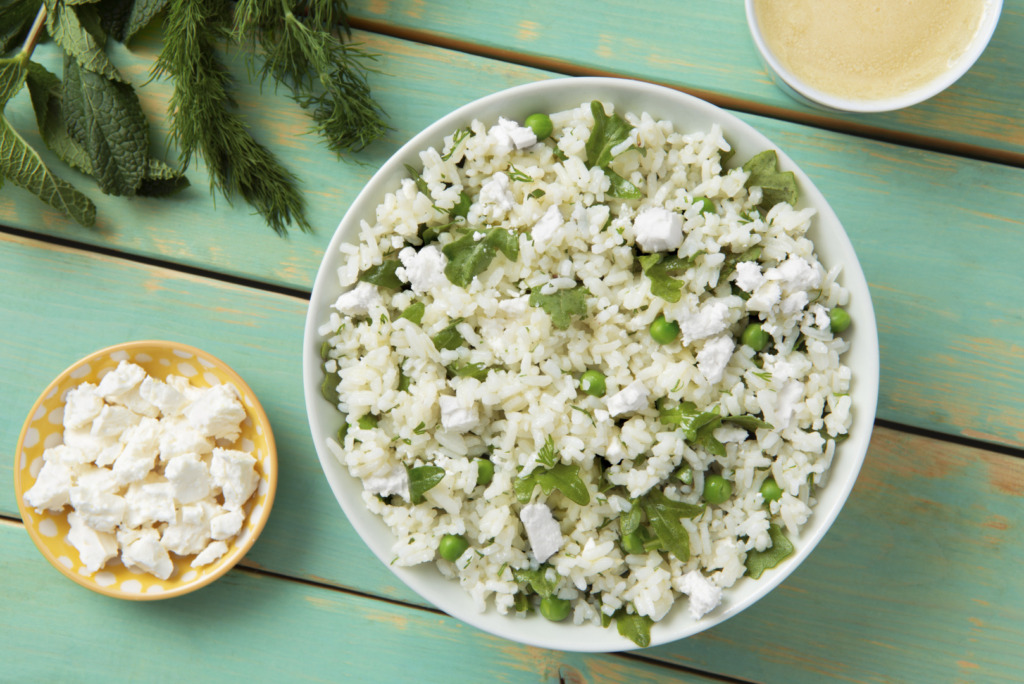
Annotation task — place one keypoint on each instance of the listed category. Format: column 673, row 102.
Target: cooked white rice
column 533, row 391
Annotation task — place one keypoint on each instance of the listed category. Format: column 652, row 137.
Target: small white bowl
column 789, row 83
column 689, row 114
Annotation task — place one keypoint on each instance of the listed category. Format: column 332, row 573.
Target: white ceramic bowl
column 688, row 113
column 802, row 92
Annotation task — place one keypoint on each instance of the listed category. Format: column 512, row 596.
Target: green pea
column 592, row 382
column 452, row 546
column 839, row 320
column 685, row 474
column 755, row 337
column 368, row 422
column 554, row 609
column 716, row 489
column 706, row 205
column 540, row 124
column 484, row 471
column 663, row 330
column 770, row 490
column 632, row 543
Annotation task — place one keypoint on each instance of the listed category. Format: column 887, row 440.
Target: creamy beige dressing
column 868, row 49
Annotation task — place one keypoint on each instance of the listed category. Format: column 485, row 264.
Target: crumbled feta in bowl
column 146, row 470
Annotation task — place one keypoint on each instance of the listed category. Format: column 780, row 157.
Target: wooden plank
column 250, row 626
column 705, row 48
column 916, row 564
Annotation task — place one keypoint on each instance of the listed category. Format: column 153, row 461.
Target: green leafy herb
column 608, row 132
column 457, row 139
column 469, row 370
column 469, row 257
column 664, row 514
column 461, row 208
column 731, row 259
column 564, row 478
column 517, row 175
column 547, row 455
column 538, row 580
column 414, row 312
column 22, row 165
column 630, row 522
column 15, row 21
column 660, row 268
column 620, row 187
column 383, row 275
column 421, row 184
column 561, row 305
column 368, row 422
column 420, row 429
column 521, row 602
column 449, row 337
column 421, row 480
column 301, row 45
column 759, row 561
column 329, row 387
column 537, row 194
column 750, row 423
column 204, row 123
column 404, row 381
column 684, row 415
column 75, row 30
column 122, row 19
column 776, row 186
column 636, row 628
column 706, row 438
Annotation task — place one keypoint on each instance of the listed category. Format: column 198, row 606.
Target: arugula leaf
column 750, row 423
column 776, row 186
column 620, row 187
column 608, row 132
column 414, row 312
column 106, row 119
column 383, row 275
column 759, row 561
column 685, row 415
column 538, row 580
column 630, row 522
column 562, row 304
column 636, row 628
column 469, row 370
column 664, row 514
column 23, row 166
column 706, row 438
column 421, row 184
column 77, row 31
column 660, row 268
column 469, row 257
column 564, row 478
column 422, row 479
column 449, row 337
column 461, row 208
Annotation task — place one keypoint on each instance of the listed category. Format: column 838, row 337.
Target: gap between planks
column 822, row 121
column 252, row 569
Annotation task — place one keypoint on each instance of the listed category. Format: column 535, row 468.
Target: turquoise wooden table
column 918, row 580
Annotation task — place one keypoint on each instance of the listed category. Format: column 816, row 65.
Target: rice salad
column 589, row 366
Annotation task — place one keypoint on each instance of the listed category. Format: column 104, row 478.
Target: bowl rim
column 796, row 88
column 425, row 579
column 235, row 553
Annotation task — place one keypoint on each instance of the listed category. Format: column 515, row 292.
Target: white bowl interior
column 801, row 91
column 687, row 113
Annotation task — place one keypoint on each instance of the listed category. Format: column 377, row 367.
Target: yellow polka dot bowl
column 44, row 429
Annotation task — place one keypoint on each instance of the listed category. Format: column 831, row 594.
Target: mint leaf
column 77, row 31
column 383, row 275
column 449, row 337
column 750, row 423
column 636, row 628
column 606, row 134
column 22, row 165
column 122, row 19
column 564, row 478
column 664, row 514
column 469, row 257
column 759, row 561
column 776, row 186
column 684, row 415
column 414, row 312
column 561, row 305
column 106, row 119
column 15, row 21
column 630, row 522
column 423, row 479
column 160, row 180
column 660, row 268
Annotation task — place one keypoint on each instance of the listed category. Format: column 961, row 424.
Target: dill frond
column 301, row 45
column 203, row 120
